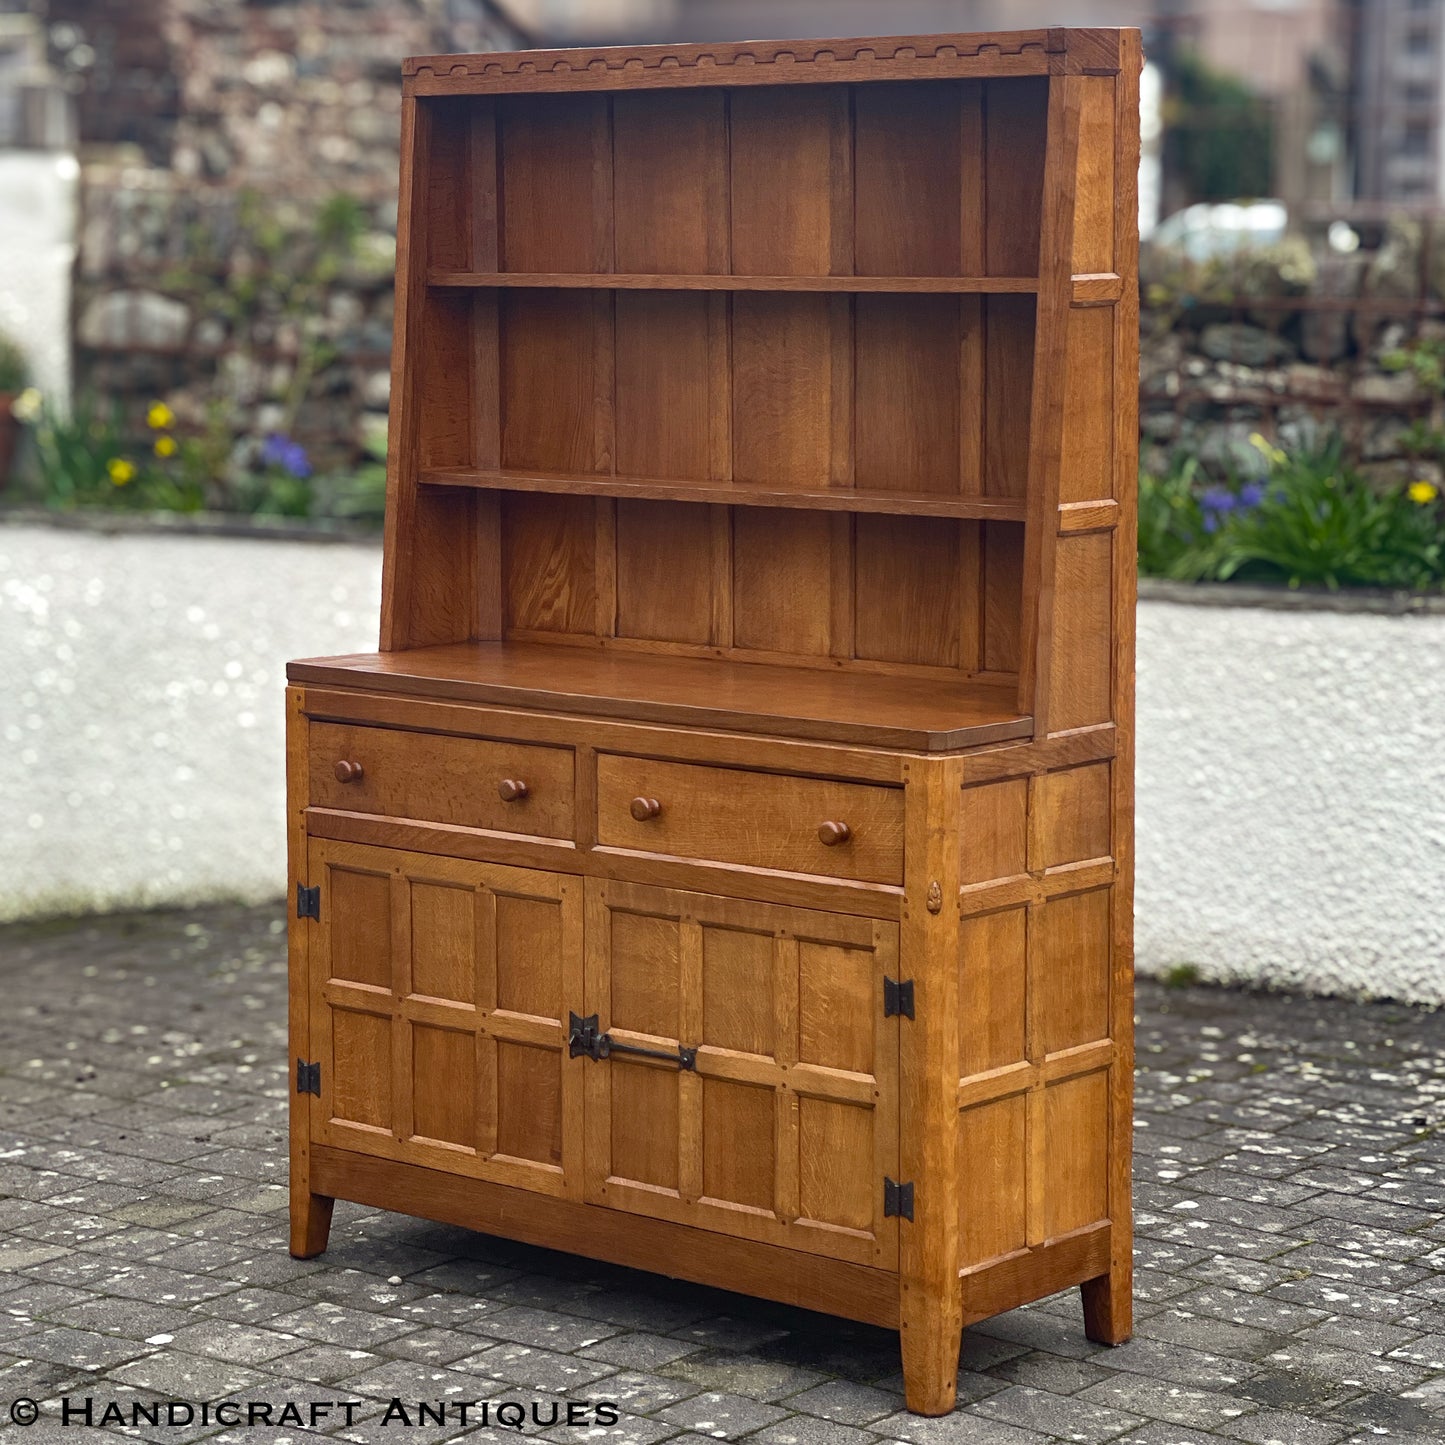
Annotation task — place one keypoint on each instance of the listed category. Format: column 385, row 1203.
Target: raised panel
column 739, row 1164
column 444, row 1086
column 909, row 176
column 549, row 581
column 670, row 181
column 1081, row 691
column 991, row 1197
column 360, row 925
column 908, row 590
column 663, row 381
column 832, row 1189
column 645, row 964
column 548, row 155
column 909, row 393
column 1087, row 470
column 529, row 1102
column 994, row 835
column 1073, row 815
column 783, row 385
column 1094, row 196
column 790, row 150
column 443, row 941
column 1071, row 969
column 664, row 571
column 1076, row 1153
column 737, row 990
column 838, row 1004
column 643, row 1115
column 549, row 380
column 1015, row 122
column 360, row 1071
column 782, row 581
column 529, row 956
column 992, row 993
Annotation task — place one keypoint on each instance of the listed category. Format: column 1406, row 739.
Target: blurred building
column 1399, row 78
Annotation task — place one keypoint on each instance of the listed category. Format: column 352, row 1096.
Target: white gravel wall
column 1291, row 798
column 1291, row 782
column 142, row 709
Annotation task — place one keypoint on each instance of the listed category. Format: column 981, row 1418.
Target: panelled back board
column 724, row 866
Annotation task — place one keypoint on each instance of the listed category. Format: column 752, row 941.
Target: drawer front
column 758, row 820
column 438, row 779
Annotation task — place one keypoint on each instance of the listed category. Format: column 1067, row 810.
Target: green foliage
column 1180, row 975
column 14, row 372
column 1218, row 135
column 1312, row 522
column 1425, row 358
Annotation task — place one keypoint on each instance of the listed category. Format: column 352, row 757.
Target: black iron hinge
column 308, row 902
column 897, row 998
column 308, row 1077
column 897, row 1199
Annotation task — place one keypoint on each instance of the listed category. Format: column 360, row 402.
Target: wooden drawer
column 440, row 779
column 758, row 820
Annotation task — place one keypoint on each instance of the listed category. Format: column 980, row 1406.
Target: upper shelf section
column 755, row 63
column 902, row 188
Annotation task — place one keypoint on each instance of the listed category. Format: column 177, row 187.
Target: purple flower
column 290, row 456
column 1219, row 499
column 1211, row 521
column 1252, row 494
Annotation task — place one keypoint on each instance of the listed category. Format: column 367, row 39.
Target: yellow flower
column 165, row 446
column 1423, row 493
column 120, row 470
column 160, row 416
column 26, row 406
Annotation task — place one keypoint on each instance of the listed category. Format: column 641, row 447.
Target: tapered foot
column 310, row 1223
column 1108, row 1308
column 931, row 1341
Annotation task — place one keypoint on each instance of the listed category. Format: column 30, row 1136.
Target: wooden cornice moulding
column 1020, row 52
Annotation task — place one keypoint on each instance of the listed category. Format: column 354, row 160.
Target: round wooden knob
column 511, row 790
column 348, row 772
column 831, row 834
column 645, row 808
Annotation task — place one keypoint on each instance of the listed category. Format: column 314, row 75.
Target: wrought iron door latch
column 583, row 1037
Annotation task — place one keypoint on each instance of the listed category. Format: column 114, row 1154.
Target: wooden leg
column 1108, row 1308
column 310, row 1222
column 931, row 1336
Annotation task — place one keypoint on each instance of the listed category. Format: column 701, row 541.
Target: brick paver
column 1290, row 1208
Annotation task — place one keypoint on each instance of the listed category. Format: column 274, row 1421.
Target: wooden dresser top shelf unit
column 869, row 709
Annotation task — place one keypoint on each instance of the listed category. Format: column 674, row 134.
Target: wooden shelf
column 834, row 499
column 615, row 281
column 878, row 710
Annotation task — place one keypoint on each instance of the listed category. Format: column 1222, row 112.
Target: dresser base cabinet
column 724, row 865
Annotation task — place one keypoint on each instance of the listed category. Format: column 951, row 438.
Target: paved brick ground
column 1291, row 1212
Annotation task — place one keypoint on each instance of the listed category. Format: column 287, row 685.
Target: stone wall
column 205, row 274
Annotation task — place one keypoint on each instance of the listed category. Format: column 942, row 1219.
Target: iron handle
column 584, row 1037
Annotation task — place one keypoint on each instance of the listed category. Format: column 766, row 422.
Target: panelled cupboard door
column 786, row 1126
column 439, row 1003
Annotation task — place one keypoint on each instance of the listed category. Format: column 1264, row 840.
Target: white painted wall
column 1291, row 782
column 1291, row 798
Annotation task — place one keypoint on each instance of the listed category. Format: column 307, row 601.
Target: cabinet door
column 439, row 993
column 787, row 1125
